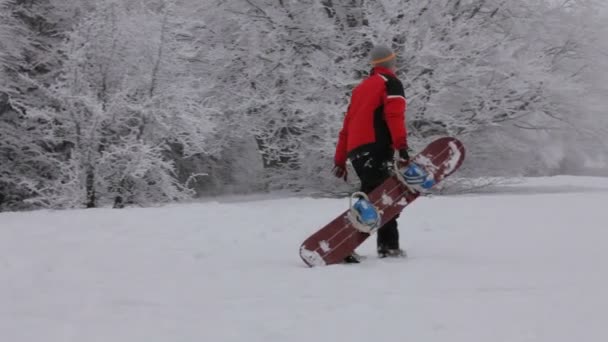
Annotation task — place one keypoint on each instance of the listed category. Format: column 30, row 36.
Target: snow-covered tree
column 25, row 160
column 276, row 66
column 121, row 102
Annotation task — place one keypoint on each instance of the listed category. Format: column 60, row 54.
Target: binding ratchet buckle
column 414, row 177
column 364, row 216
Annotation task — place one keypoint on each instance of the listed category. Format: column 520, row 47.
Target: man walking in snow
column 373, row 130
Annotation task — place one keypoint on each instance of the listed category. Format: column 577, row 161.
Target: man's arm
column 394, row 113
column 340, row 156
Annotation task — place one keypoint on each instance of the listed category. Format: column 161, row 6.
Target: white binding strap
column 395, row 97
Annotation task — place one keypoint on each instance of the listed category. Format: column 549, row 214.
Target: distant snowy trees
column 134, row 103
column 503, row 75
column 26, row 161
column 120, row 103
column 119, row 106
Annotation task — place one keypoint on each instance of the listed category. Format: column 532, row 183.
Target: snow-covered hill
column 529, row 263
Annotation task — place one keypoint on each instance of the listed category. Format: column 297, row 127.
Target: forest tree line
column 136, row 102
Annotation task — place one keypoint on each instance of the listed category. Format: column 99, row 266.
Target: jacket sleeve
column 341, row 153
column 394, row 113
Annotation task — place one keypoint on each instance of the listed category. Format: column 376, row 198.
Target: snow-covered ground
column 529, row 263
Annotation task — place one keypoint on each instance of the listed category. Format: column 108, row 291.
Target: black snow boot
column 388, row 241
column 391, row 253
column 353, row 258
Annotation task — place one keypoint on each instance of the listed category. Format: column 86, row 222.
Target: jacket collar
column 382, row 70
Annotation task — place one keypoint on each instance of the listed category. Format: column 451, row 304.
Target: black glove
column 404, row 155
column 340, row 171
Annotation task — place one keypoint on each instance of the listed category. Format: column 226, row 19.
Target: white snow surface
column 519, row 265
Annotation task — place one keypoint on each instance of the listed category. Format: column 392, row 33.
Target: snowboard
column 339, row 238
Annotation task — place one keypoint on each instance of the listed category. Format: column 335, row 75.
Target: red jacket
column 375, row 120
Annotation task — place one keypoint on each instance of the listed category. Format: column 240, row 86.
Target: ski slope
column 525, row 262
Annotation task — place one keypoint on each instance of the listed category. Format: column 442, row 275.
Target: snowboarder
column 373, row 134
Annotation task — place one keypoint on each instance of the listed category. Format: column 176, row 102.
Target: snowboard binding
column 414, row 177
column 364, row 216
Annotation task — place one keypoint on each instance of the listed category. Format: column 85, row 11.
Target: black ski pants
column 372, row 170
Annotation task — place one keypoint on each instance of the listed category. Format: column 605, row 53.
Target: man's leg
column 372, row 172
column 388, row 238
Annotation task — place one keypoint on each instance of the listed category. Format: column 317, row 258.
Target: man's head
column 382, row 55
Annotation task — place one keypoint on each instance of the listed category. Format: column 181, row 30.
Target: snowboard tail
column 336, row 240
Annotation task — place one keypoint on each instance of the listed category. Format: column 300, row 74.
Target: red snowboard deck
column 336, row 240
